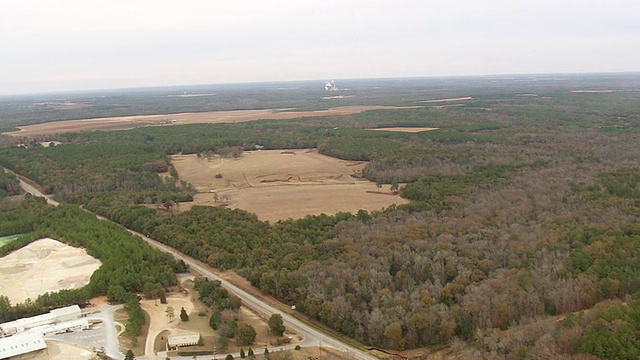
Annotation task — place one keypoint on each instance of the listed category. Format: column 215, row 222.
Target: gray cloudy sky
column 50, row 45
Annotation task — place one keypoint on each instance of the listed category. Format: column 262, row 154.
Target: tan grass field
column 282, row 184
column 45, row 265
column 211, row 117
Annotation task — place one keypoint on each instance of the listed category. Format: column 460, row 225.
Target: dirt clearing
column 45, row 265
column 211, row 117
column 282, row 184
column 58, row 350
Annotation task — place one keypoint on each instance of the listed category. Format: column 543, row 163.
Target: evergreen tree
column 183, row 315
column 162, row 296
column 129, row 355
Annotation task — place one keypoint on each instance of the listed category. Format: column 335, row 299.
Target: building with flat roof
column 66, row 313
column 54, row 316
column 67, row 326
column 19, row 344
column 175, row 341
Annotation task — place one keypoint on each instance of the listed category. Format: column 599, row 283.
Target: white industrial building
column 67, row 326
column 19, row 344
column 53, row 317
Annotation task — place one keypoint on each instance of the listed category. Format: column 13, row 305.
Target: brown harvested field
column 45, row 265
column 211, row 117
column 282, row 184
column 405, row 129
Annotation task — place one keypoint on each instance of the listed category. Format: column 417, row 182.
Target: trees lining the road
column 9, row 184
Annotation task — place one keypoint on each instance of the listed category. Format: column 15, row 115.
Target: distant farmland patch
column 448, row 99
column 210, row 117
column 405, row 129
column 277, row 185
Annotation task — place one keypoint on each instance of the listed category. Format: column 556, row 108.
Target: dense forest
column 9, row 185
column 524, row 210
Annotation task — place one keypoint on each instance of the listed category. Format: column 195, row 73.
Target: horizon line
column 150, row 87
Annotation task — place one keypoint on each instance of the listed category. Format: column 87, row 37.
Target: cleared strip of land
column 606, row 91
column 448, row 99
column 405, row 129
column 211, row 117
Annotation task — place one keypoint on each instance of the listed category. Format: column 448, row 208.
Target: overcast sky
column 50, row 45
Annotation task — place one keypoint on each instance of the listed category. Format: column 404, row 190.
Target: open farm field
column 211, row 117
column 277, row 185
column 45, row 265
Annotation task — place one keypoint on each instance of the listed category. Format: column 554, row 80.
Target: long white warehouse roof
column 39, row 320
column 21, row 344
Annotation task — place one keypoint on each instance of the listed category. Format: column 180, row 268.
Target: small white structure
column 175, row 341
column 54, row 316
column 21, row 344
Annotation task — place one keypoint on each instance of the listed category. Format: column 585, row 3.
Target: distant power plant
column 330, row 86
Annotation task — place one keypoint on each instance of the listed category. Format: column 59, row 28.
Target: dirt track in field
column 277, row 185
column 211, row 117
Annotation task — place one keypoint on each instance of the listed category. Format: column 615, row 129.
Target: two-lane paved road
column 33, row 191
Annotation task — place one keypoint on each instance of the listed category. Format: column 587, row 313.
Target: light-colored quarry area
column 45, row 265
